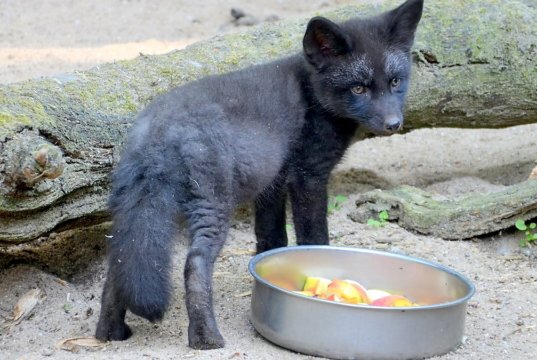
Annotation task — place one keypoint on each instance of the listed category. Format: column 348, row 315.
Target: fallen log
column 61, row 136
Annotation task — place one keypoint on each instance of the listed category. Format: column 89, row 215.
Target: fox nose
column 393, row 124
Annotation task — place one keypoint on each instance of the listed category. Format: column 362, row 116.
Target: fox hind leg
column 208, row 226
column 111, row 325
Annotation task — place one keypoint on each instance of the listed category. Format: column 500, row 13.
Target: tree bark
column 61, row 136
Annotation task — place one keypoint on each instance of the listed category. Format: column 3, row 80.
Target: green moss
column 21, row 108
column 10, row 123
column 481, row 35
column 33, row 106
column 168, row 72
column 108, row 93
column 10, row 119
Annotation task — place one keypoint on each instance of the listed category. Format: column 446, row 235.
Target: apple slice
column 334, row 297
column 363, row 291
column 374, row 294
column 393, row 301
column 350, row 292
column 317, row 285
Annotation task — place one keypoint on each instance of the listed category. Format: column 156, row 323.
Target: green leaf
column 373, row 223
column 533, row 226
column 523, row 243
column 521, row 225
column 383, row 215
column 340, row 198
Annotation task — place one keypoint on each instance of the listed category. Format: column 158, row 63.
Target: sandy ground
column 39, row 38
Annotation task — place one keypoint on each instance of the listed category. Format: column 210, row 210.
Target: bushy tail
column 139, row 251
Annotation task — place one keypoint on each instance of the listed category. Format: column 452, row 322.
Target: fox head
column 360, row 69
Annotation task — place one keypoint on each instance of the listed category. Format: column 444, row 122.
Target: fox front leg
column 309, row 203
column 270, row 217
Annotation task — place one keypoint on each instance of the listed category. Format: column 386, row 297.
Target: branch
column 454, row 219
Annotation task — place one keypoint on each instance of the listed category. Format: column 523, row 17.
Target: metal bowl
column 343, row 331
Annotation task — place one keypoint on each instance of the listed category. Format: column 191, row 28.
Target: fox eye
column 395, row 82
column 358, row 90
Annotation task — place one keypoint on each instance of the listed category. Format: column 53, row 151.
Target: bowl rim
column 259, row 257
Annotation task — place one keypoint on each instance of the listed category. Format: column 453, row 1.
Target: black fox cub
column 259, row 134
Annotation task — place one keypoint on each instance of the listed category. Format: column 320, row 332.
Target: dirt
column 40, row 38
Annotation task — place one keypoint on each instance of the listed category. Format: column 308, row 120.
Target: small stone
column 385, row 240
column 237, row 13
column 47, row 351
column 247, row 20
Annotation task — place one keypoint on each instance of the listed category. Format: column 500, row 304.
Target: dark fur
column 260, row 134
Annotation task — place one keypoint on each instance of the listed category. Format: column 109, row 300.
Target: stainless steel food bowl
column 343, row 331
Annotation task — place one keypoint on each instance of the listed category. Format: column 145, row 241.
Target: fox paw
column 205, row 339
column 113, row 331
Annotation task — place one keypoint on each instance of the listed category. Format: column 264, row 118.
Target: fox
column 265, row 134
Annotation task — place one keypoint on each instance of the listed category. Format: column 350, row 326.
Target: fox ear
column 403, row 21
column 323, row 41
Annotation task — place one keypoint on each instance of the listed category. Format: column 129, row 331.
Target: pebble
column 247, row 20
column 241, row 18
column 47, row 351
column 237, row 13
column 386, row 240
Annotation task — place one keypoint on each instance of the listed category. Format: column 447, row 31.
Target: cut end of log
column 27, row 160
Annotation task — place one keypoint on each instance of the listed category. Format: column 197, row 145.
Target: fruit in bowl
column 374, row 294
column 317, row 285
column 345, row 291
column 348, row 291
